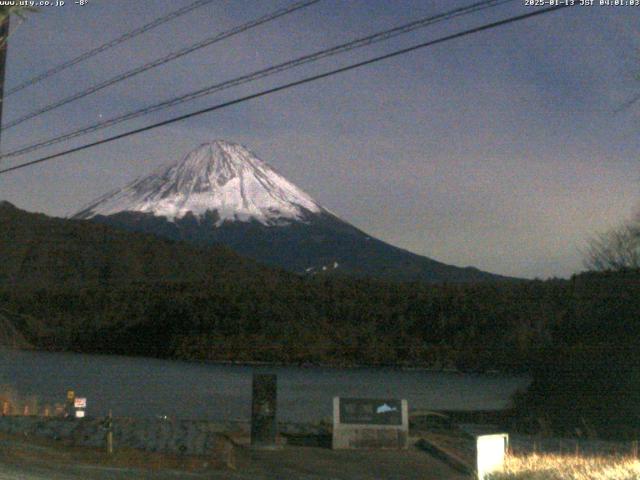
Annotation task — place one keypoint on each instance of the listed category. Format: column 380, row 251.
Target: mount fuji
column 222, row 193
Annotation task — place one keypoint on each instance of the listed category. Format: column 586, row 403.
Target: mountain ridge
column 221, row 193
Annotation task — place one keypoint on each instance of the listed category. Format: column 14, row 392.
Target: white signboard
column 491, row 450
column 79, row 413
column 80, row 402
column 365, row 423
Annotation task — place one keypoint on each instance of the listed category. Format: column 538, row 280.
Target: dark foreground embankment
column 30, row 451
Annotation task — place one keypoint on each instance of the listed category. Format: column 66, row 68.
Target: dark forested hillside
column 43, row 252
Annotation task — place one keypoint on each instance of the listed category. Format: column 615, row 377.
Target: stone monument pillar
column 263, row 411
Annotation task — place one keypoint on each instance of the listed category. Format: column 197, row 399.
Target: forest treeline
column 338, row 320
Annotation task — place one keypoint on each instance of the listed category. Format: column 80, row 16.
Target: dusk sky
column 504, row 150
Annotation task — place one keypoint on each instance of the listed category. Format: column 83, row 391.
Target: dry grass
column 569, row 467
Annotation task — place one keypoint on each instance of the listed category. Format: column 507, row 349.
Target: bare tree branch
column 617, row 249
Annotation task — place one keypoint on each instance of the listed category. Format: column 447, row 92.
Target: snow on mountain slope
column 220, row 176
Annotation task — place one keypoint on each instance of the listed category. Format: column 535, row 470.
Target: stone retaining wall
column 186, row 437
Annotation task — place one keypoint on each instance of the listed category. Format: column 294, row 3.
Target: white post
column 490, row 451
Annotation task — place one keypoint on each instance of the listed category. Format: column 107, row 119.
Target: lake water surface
column 145, row 387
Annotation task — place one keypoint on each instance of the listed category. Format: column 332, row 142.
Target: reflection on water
column 147, row 387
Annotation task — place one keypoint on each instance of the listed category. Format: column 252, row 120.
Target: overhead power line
column 286, row 86
column 266, row 72
column 163, row 60
column 106, row 46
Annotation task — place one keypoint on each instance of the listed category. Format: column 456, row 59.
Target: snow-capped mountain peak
column 219, row 176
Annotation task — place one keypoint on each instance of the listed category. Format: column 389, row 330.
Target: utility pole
column 4, row 38
column 109, row 427
column 107, row 424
